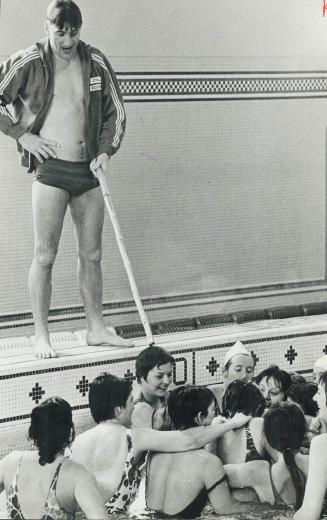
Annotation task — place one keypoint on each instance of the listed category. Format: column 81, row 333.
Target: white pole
column 122, row 250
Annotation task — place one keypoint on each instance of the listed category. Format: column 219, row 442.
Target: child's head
column 238, row 364
column 302, row 394
column 273, row 383
column 284, row 426
column 284, row 429
column 51, row 428
column 154, row 370
column 319, row 367
column 190, row 406
column 243, row 396
column 321, row 395
column 297, row 378
column 107, row 393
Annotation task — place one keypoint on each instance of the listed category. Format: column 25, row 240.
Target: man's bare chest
column 68, row 84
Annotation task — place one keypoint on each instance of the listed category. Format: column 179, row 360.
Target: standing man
column 61, row 101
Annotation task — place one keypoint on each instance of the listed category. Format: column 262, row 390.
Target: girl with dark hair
column 273, row 383
column 282, row 482
column 154, row 373
column 319, row 424
column 43, row 483
column 246, row 443
column 180, row 484
column 303, row 395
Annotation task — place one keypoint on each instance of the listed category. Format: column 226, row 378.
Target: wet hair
column 51, row 428
column 297, row 378
column 243, row 396
column 186, row 402
column 106, row 393
column 149, row 358
column 282, row 378
column 302, row 394
column 284, row 428
column 64, row 12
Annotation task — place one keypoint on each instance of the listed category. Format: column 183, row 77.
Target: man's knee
column 45, row 257
column 93, row 256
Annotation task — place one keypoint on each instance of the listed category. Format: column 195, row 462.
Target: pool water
column 139, row 511
column 259, row 512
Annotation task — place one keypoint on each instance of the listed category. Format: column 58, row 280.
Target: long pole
column 123, row 253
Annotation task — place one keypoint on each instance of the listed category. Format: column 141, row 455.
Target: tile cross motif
column 291, row 354
column 254, row 357
column 212, row 366
column 36, row 393
column 83, row 386
column 129, row 376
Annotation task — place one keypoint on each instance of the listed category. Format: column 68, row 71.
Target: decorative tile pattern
column 83, row 386
column 192, row 86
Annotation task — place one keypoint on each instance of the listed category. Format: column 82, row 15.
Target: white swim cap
column 321, row 363
column 237, row 348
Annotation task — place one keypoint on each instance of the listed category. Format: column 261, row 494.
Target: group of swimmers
column 250, row 440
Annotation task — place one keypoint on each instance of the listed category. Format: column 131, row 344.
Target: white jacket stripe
column 5, row 112
column 12, row 71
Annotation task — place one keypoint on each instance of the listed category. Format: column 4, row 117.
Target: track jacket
column 26, row 91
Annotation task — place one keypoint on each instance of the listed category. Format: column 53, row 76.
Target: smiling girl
column 154, row 372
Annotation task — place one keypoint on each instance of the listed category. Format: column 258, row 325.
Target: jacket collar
column 45, row 51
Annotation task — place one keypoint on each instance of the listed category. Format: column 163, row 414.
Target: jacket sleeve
column 12, row 74
column 114, row 116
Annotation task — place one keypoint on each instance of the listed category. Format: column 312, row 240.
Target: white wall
column 240, row 203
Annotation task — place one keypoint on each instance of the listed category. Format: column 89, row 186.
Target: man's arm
column 113, row 115
column 14, row 74
column 12, row 78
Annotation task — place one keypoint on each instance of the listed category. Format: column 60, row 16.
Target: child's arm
column 145, row 439
column 255, row 475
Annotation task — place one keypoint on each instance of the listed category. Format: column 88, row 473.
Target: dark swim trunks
column 74, row 177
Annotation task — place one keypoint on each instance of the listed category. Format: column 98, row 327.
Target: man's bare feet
column 42, row 348
column 107, row 336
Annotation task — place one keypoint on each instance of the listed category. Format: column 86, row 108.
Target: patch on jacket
column 95, row 83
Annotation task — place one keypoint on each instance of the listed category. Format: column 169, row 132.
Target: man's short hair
column 106, row 392
column 149, row 358
column 64, row 12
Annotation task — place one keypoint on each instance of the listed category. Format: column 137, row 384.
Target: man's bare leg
column 88, row 213
column 49, row 207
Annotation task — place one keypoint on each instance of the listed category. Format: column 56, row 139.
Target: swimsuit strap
column 14, row 482
column 220, row 481
column 278, row 498
column 195, row 508
column 13, row 506
column 52, row 509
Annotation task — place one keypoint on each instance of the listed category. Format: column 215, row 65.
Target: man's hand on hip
column 41, row 148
